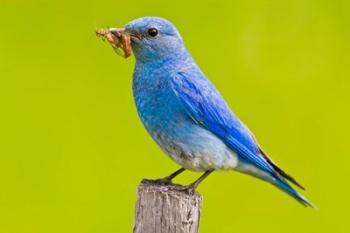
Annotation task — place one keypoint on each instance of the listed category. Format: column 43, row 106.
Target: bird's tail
column 285, row 187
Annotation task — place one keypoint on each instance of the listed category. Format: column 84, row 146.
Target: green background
column 72, row 149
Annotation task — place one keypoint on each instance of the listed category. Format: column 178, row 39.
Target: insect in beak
column 118, row 38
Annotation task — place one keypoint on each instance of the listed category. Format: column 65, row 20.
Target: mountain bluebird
column 184, row 113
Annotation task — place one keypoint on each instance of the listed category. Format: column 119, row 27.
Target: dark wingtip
column 290, row 178
column 280, row 171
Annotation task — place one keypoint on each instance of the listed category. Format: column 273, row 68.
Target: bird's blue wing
column 204, row 104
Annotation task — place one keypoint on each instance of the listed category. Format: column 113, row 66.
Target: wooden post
column 166, row 209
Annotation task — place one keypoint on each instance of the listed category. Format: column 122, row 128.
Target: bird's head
column 150, row 38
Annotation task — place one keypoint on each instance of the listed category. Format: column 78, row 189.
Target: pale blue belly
column 195, row 148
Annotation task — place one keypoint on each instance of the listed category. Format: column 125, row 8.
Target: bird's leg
column 169, row 178
column 190, row 189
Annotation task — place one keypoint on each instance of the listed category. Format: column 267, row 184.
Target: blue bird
column 185, row 114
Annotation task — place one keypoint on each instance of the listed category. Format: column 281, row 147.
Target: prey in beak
column 119, row 39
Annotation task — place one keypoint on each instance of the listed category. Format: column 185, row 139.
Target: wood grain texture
column 166, row 209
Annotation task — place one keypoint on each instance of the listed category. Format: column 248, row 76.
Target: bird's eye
column 153, row 32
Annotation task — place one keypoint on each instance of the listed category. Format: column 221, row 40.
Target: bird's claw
column 189, row 189
column 161, row 181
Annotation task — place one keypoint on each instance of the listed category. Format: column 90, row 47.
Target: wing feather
column 205, row 105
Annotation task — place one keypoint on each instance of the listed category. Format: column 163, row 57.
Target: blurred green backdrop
column 72, row 149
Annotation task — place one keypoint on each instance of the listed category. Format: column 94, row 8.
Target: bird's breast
column 156, row 103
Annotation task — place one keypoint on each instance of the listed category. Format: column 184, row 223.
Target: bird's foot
column 161, row 181
column 166, row 180
column 188, row 189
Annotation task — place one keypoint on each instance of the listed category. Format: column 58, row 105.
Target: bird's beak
column 118, row 38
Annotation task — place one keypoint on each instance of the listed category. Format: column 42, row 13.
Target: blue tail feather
column 284, row 186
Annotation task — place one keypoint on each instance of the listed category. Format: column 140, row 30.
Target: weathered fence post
column 166, row 209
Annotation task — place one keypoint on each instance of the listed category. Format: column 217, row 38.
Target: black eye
column 153, row 32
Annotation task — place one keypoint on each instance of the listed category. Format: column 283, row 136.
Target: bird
column 185, row 114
